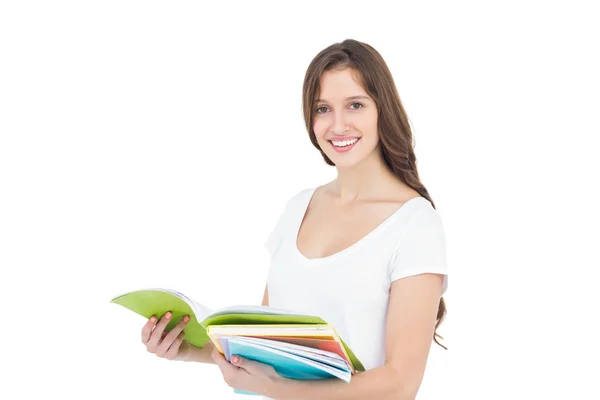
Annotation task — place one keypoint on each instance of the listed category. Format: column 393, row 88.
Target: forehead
column 339, row 84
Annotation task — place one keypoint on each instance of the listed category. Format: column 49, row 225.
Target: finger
column 173, row 351
column 169, row 337
column 248, row 365
column 173, row 333
column 156, row 334
column 230, row 372
column 220, row 360
column 147, row 329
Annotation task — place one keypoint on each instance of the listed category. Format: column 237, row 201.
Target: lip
column 342, row 138
column 343, row 149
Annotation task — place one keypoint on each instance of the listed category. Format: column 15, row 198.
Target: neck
column 365, row 180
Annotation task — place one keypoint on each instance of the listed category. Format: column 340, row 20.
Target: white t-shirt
column 350, row 289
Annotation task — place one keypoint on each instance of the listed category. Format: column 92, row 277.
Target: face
column 345, row 120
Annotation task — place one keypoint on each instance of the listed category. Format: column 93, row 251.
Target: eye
column 358, row 107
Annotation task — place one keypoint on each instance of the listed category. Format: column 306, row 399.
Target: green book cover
column 157, row 301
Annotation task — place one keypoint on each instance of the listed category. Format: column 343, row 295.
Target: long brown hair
column 394, row 130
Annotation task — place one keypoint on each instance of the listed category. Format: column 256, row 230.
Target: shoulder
column 422, row 230
column 421, row 244
column 300, row 197
column 296, row 201
column 424, row 218
column 417, row 226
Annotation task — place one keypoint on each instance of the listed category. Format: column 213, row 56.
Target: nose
column 339, row 126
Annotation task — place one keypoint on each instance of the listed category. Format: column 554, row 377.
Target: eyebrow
column 347, row 98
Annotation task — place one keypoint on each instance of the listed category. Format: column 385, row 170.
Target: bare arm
column 410, row 323
column 194, row 354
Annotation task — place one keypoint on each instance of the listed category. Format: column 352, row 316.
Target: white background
column 150, row 143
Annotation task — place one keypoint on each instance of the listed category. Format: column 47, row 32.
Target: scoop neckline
column 301, row 257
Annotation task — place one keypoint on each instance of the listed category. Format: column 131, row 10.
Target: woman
column 366, row 252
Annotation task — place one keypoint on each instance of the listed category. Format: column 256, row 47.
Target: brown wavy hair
column 393, row 125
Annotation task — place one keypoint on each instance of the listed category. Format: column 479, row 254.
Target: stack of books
column 297, row 345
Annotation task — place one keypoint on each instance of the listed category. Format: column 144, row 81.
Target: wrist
column 184, row 354
column 187, row 353
column 280, row 388
column 191, row 353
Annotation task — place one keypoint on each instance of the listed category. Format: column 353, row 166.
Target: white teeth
column 344, row 143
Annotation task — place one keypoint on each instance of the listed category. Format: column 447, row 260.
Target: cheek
column 320, row 127
column 368, row 126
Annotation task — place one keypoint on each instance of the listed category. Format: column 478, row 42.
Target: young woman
column 366, row 252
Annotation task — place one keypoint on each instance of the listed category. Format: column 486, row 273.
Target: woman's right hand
column 166, row 344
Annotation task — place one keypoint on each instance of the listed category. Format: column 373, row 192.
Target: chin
column 345, row 162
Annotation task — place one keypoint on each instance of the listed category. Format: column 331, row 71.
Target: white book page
column 274, row 330
column 254, row 309
column 201, row 311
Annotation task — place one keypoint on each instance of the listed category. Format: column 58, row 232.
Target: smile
column 343, row 145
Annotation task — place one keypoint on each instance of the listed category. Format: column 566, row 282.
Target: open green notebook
column 157, row 301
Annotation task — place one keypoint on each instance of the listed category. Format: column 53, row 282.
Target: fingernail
column 168, row 315
column 186, row 318
column 153, row 319
column 234, row 359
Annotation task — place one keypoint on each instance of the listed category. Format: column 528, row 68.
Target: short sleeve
column 276, row 234
column 422, row 247
column 277, row 231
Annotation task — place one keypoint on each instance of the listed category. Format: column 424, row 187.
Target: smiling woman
column 378, row 130
column 366, row 251
column 369, row 246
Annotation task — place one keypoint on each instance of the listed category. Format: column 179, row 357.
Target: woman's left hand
column 248, row 375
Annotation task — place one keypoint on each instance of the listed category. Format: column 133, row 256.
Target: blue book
column 285, row 364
